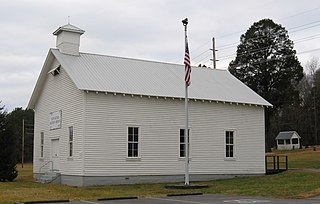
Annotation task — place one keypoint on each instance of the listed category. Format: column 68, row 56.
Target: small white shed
column 288, row 140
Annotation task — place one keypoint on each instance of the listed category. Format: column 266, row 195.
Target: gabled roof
column 92, row 72
column 286, row 135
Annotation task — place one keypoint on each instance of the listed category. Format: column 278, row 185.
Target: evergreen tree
column 15, row 118
column 267, row 63
column 8, row 170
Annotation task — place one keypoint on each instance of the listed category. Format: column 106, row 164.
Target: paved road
column 202, row 199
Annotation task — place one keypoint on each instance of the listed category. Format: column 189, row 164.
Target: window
column 183, row 143
column 295, row 141
column 229, row 144
column 41, row 143
column 281, row 142
column 70, row 141
column 133, row 141
column 288, row 141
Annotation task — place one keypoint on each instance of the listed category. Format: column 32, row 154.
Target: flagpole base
column 183, row 186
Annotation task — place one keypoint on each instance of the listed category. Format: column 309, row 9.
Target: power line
column 310, row 25
column 201, row 46
column 272, row 59
column 265, row 48
column 200, row 54
column 259, row 37
column 307, row 51
column 231, row 45
column 297, row 14
column 304, row 25
column 206, row 57
column 300, row 13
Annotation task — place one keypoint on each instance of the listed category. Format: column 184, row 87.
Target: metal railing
column 45, row 164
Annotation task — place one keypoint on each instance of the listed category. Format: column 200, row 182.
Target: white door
column 55, row 154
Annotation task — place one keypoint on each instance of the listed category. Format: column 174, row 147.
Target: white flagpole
column 186, row 132
column 186, row 139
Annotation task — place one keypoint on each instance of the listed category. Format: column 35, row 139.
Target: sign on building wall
column 55, row 120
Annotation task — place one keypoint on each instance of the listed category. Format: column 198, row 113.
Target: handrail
column 46, row 165
column 57, row 176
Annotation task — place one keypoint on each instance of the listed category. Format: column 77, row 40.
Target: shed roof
column 286, row 135
column 93, row 72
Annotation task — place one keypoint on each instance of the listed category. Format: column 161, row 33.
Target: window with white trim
column 295, row 141
column 71, row 141
column 133, row 142
column 41, row 144
column 182, row 151
column 229, row 144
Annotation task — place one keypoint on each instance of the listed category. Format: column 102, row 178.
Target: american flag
column 187, row 67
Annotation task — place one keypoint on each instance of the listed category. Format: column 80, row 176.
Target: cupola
column 68, row 39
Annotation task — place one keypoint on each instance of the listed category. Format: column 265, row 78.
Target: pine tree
column 15, row 118
column 8, row 170
column 267, row 63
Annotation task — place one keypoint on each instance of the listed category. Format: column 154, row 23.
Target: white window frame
column 41, row 144
column 294, row 139
column 184, row 143
column 138, row 142
column 228, row 144
column 70, row 141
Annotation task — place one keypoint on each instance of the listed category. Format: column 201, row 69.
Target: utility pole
column 214, row 59
column 22, row 144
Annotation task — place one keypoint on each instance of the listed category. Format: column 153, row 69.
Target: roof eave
column 178, row 98
column 73, row 29
column 37, row 89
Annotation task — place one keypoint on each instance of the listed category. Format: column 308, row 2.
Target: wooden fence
column 276, row 163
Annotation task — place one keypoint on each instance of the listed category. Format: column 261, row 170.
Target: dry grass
column 302, row 158
column 290, row 184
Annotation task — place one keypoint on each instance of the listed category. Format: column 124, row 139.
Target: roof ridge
column 128, row 58
column 288, row 131
column 143, row 60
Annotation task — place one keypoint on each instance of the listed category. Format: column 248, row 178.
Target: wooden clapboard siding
column 159, row 120
column 59, row 93
column 100, row 124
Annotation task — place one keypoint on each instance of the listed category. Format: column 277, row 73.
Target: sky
column 142, row 29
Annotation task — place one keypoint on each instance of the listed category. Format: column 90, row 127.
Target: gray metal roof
column 131, row 76
column 286, row 135
column 92, row 72
column 68, row 27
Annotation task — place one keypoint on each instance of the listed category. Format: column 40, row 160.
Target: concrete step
column 49, row 177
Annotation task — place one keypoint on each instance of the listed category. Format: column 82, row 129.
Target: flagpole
column 186, row 132
column 186, row 139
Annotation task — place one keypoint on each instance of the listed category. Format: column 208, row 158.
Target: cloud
column 144, row 29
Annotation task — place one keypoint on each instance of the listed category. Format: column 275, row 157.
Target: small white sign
column 55, row 120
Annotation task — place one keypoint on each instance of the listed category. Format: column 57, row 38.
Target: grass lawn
column 302, row 158
column 290, row 184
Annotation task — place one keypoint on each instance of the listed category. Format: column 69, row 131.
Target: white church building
column 103, row 120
